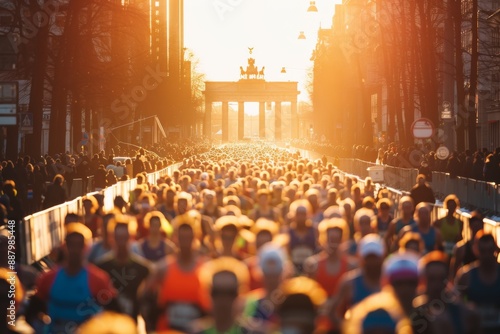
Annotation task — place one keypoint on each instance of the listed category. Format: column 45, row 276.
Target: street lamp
column 312, row 7
column 302, row 35
column 283, row 70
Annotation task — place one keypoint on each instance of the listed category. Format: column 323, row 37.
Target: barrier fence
column 41, row 232
column 472, row 193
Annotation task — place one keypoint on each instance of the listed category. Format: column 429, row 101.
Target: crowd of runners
column 250, row 238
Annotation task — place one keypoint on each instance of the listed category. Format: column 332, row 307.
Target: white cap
column 371, row 244
column 272, row 259
column 401, row 267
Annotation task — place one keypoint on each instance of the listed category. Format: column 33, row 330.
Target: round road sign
column 422, row 128
column 443, row 153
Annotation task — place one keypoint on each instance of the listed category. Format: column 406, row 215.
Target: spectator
column 478, row 166
column 111, row 178
column 56, row 194
column 70, row 174
column 30, row 185
column 489, row 169
column 138, row 165
column 100, row 178
column 422, row 192
column 454, row 165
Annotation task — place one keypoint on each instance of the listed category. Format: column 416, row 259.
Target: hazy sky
column 219, row 33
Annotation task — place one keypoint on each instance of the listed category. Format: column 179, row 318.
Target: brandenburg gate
column 252, row 87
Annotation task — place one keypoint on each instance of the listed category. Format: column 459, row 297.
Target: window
column 6, row 20
column 466, row 7
column 8, row 58
column 494, row 134
column 495, row 40
column 467, row 40
column 8, row 93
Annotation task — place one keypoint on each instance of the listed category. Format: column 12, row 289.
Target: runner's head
column 401, row 272
column 332, row 233
column 78, row 237
column 298, row 308
column 371, row 251
column 434, row 273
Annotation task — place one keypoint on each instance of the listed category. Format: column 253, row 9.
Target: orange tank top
column 182, row 298
column 255, row 275
column 330, row 283
column 327, row 281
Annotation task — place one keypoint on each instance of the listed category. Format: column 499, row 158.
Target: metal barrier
column 78, row 188
column 44, row 230
column 472, row 193
column 394, row 177
column 493, row 227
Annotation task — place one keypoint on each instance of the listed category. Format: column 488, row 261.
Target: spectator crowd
column 482, row 165
column 43, row 182
column 250, row 238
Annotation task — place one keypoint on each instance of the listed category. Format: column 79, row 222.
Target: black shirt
column 127, row 278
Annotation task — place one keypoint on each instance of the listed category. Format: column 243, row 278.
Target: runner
column 479, row 282
column 358, row 284
column 331, row 264
column 181, row 298
column 74, row 292
column 406, row 208
column 127, row 270
column 450, row 227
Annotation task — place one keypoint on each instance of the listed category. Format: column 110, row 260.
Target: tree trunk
column 459, row 74
column 76, row 121
column 62, row 69
column 33, row 146
column 473, row 78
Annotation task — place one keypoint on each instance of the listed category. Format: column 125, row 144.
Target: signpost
column 85, row 139
column 422, row 128
column 26, row 120
column 443, row 153
column 9, row 101
column 446, row 114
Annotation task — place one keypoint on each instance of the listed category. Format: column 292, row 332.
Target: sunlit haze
column 219, row 33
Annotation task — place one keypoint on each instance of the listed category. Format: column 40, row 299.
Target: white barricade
column 44, row 230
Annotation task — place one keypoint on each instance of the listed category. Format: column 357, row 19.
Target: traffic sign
column 26, row 119
column 85, row 139
column 422, row 128
column 446, row 113
column 443, row 153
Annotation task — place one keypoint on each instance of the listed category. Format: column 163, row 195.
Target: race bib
column 300, row 254
column 181, row 315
